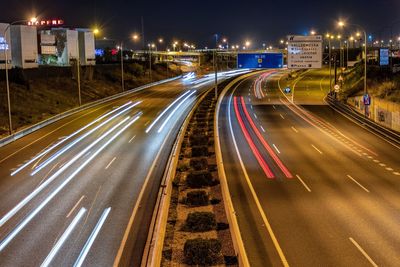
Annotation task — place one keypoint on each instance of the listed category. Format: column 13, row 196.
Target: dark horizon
column 260, row 22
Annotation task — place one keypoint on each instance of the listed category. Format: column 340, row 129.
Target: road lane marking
column 76, row 205
column 389, row 169
column 254, row 194
column 319, row 151
column 130, row 140
column 274, row 107
column 147, row 123
column 255, row 116
column 396, row 173
column 277, row 150
column 363, row 252
column 262, row 128
column 111, row 162
column 63, row 238
column 304, row 184
column 294, row 129
column 251, row 106
column 360, row 185
column 282, row 116
column 92, row 237
column 382, row 164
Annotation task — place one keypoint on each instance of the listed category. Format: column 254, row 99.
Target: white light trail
column 65, row 149
column 55, row 175
column 91, row 239
column 165, row 110
column 10, row 236
column 172, row 113
column 67, row 138
column 63, row 238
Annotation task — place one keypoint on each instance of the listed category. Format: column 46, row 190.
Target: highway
column 309, row 186
column 70, row 192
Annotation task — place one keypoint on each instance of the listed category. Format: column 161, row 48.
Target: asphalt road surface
column 309, row 186
column 70, row 191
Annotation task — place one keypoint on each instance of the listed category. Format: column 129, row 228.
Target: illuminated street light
column 281, row 41
column 96, row 31
column 342, row 24
column 247, row 43
column 160, row 40
column 135, row 37
column 312, row 32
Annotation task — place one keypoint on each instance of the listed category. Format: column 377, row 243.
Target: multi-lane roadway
column 309, row 186
column 78, row 191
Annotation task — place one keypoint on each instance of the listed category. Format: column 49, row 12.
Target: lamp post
column 329, row 37
column 33, row 20
column 342, row 24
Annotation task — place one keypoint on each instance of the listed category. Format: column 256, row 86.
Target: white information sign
column 305, row 52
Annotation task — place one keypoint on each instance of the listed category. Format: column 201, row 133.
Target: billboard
column 260, row 60
column 383, row 56
column 304, row 52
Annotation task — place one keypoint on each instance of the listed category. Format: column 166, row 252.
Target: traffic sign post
column 367, row 103
column 304, row 52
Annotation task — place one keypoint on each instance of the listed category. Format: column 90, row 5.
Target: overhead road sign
column 305, row 52
column 260, row 60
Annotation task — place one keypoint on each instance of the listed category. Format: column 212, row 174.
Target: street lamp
column 312, row 32
column 342, row 24
column 33, row 21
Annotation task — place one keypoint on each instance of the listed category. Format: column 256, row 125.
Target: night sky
column 197, row 21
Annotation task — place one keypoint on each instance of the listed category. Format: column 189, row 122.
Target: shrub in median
column 197, row 198
column 198, row 179
column 200, row 222
column 199, row 151
column 199, row 164
column 202, row 251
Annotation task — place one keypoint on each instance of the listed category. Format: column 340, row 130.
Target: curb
column 30, row 129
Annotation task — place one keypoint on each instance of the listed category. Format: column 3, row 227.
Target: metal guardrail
column 30, row 129
column 389, row 135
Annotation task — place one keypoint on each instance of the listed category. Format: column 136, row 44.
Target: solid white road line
column 63, row 238
column 319, row 151
column 76, row 205
column 363, row 252
column 253, row 192
column 354, row 180
column 304, row 184
column 111, row 162
column 91, row 239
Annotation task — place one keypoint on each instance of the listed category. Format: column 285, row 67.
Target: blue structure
column 260, row 61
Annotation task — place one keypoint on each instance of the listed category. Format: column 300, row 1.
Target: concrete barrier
column 30, row 129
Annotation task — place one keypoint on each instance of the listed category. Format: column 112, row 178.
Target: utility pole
column 7, row 82
column 122, row 67
column 216, row 66
column 78, row 72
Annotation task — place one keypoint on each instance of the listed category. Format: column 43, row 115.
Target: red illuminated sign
column 51, row 22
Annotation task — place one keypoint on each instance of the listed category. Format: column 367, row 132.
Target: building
column 5, row 46
column 86, row 47
column 24, row 46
